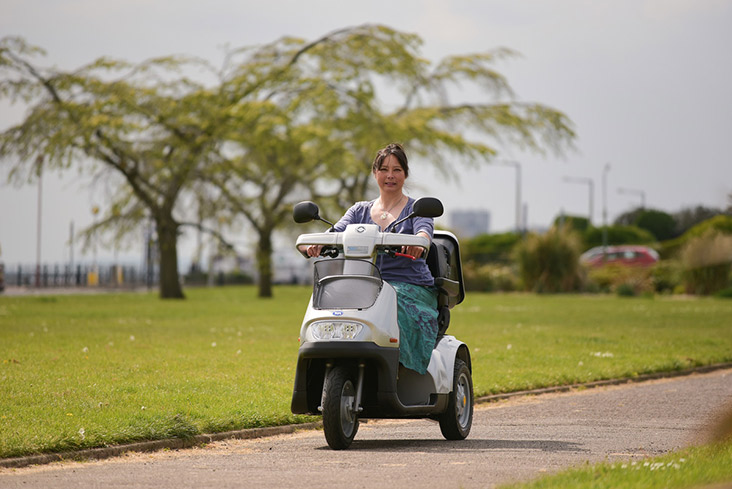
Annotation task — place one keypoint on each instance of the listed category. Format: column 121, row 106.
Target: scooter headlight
column 335, row 330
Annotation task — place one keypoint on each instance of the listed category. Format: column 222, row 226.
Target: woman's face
column 390, row 176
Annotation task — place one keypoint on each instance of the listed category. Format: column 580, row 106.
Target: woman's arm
column 416, row 251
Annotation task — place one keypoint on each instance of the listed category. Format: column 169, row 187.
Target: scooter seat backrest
column 444, row 263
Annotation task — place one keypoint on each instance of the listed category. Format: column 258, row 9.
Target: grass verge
column 90, row 371
column 693, row 467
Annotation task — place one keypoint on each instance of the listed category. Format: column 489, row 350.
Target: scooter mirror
column 428, row 207
column 305, row 212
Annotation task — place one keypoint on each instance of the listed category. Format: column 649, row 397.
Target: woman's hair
column 391, row 149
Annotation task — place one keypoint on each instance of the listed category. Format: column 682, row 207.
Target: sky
column 645, row 82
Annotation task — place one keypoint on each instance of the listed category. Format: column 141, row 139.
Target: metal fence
column 132, row 277
column 48, row 276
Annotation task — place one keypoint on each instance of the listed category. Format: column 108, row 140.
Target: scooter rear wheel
column 455, row 423
column 340, row 415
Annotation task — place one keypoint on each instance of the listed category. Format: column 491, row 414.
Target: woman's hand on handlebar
column 415, row 251
column 314, row 250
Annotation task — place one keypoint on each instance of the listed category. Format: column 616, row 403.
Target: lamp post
column 39, row 174
column 641, row 193
column 605, row 170
column 591, row 184
column 94, row 277
column 516, row 165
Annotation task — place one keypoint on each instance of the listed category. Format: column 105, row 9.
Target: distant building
column 467, row 224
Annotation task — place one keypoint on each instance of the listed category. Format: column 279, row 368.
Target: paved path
column 512, row 440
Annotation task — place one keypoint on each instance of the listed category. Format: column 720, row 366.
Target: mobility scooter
column 348, row 361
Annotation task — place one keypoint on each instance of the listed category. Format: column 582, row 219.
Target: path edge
column 251, row 433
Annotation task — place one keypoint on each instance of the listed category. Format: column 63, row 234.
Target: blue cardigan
column 397, row 269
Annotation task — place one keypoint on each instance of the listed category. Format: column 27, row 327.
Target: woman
column 414, row 284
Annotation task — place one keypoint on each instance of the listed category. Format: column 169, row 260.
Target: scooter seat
column 446, row 286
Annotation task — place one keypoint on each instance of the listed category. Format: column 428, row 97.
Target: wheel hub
column 463, row 408
column 348, row 413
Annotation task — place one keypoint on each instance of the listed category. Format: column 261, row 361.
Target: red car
column 630, row 255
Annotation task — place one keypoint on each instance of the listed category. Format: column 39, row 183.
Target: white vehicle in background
column 626, row 255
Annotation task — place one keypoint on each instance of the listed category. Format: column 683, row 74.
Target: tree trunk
column 170, row 287
column 264, row 263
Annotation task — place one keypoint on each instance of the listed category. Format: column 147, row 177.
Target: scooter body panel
column 379, row 322
column 400, row 392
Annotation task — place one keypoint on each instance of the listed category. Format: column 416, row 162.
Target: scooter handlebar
column 402, row 255
column 396, row 240
column 378, row 242
column 327, row 240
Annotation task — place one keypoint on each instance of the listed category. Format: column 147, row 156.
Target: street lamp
column 516, row 165
column 93, row 280
column 635, row 192
column 39, row 174
column 605, row 170
column 591, row 184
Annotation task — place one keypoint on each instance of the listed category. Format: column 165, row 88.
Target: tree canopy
column 277, row 123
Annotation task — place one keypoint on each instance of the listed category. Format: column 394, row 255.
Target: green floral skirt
column 417, row 318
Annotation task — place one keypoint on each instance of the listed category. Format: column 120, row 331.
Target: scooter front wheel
column 340, row 413
column 456, row 422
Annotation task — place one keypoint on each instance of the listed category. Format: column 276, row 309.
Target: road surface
column 518, row 439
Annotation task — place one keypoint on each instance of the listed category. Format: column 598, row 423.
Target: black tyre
column 340, row 417
column 455, row 423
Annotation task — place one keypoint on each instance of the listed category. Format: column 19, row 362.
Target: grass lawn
column 694, row 467
column 527, row 341
column 84, row 371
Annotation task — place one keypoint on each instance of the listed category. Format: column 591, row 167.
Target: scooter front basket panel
column 345, row 284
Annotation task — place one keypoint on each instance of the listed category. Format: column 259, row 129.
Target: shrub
column 625, row 290
column 487, row 248
column 666, row 275
column 231, row 278
column 724, row 293
column 721, row 224
column 618, row 235
column 489, row 277
column 577, row 223
column 706, row 260
column 706, row 280
column 622, row 279
column 550, row 262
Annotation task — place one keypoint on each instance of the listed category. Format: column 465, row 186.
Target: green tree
column 321, row 119
column 288, row 120
column 490, row 248
column 128, row 124
column 629, row 218
column 690, row 216
column 578, row 223
column 618, row 235
column 432, row 126
column 660, row 224
column 297, row 127
column 159, row 134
